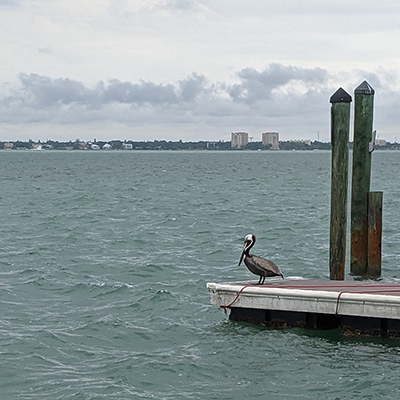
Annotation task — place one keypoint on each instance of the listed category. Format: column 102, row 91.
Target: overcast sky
column 192, row 69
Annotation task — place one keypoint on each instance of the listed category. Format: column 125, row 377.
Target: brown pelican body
column 257, row 265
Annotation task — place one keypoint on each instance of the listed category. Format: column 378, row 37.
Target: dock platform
column 357, row 307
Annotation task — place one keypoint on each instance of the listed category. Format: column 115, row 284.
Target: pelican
column 257, row 265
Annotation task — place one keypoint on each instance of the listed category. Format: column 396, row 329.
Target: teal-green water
column 105, row 256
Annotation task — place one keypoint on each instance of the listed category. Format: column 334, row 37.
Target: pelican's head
column 248, row 243
column 250, row 238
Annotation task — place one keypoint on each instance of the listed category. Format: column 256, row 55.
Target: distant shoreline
column 161, row 145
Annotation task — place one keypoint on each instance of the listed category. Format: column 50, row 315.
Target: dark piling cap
column 340, row 96
column 364, row 88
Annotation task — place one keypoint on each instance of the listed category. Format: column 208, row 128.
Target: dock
column 366, row 308
column 366, row 305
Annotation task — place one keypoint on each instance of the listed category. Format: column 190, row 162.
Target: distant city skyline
column 241, row 139
column 268, row 144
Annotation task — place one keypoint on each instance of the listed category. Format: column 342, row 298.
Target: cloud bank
column 284, row 98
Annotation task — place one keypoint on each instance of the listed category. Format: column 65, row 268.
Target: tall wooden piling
column 340, row 126
column 363, row 117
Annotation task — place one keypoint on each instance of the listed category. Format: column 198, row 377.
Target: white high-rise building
column 239, row 139
column 271, row 138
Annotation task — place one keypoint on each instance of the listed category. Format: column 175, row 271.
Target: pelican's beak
column 241, row 257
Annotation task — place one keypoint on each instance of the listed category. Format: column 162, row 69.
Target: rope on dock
column 235, row 299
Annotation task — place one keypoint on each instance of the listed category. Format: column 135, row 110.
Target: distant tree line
column 172, row 145
column 117, row 145
column 290, row 145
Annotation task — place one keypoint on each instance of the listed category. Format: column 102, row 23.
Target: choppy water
column 104, row 257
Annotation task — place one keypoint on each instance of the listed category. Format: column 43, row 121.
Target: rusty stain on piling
column 358, row 259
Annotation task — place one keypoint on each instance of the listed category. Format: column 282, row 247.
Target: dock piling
column 375, row 200
column 363, row 117
column 340, row 127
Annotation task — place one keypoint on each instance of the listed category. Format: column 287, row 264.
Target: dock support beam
column 340, row 127
column 362, row 148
